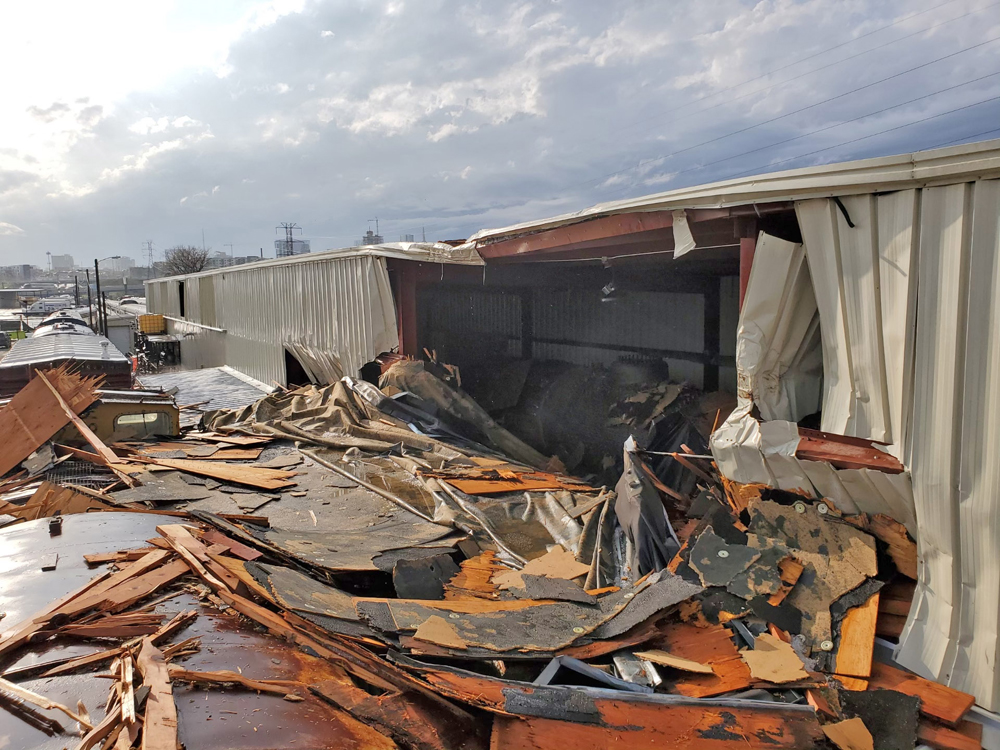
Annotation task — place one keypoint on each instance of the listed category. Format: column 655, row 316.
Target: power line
column 756, row 170
column 794, row 112
column 814, row 70
column 828, row 49
column 836, row 125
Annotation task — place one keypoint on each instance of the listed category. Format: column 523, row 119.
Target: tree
column 185, row 259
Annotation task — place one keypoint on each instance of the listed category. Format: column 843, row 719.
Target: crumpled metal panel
column 909, row 299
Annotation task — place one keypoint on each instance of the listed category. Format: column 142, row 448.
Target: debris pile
column 335, row 567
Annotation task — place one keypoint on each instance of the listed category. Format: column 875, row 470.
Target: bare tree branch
column 185, row 259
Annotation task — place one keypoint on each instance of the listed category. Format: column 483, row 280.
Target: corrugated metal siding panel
column 938, row 287
column 729, row 316
column 636, row 319
column 192, row 300
column 342, row 306
column 206, row 300
column 162, row 298
column 471, row 319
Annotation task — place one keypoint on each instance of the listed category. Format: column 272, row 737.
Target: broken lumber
column 936, row 700
column 159, row 731
column 285, row 688
column 41, row 701
column 34, row 415
column 857, row 639
column 253, row 476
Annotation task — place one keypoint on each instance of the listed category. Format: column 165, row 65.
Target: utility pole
column 290, row 228
column 97, row 281
column 90, row 305
column 423, row 234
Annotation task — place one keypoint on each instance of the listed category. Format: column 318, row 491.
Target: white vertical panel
column 897, row 237
column 819, row 234
column 863, row 315
column 979, row 471
column 775, row 339
column 937, row 431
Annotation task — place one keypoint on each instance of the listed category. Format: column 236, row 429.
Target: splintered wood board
column 857, row 639
column 34, row 415
column 254, row 476
column 936, row 700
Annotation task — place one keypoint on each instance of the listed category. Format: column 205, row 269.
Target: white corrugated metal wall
column 909, row 299
column 335, row 314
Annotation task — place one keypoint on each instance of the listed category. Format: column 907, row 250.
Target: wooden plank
column 857, row 640
column 967, row 735
column 240, row 550
column 253, row 476
column 20, row 635
column 128, row 689
column 160, row 721
column 33, row 416
column 106, row 454
column 136, row 589
column 195, row 555
column 902, row 549
column 712, row 646
column 83, row 661
column 844, row 452
column 626, row 720
column 41, row 701
column 96, row 595
column 936, row 700
column 234, row 454
column 285, row 688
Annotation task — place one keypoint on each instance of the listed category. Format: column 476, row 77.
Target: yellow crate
column 152, row 324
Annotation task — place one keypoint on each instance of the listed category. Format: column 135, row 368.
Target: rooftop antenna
column 230, row 246
column 376, row 224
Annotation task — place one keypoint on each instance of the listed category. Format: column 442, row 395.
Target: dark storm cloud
column 453, row 116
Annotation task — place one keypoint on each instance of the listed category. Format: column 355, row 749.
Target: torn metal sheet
column 526, row 626
column 353, row 550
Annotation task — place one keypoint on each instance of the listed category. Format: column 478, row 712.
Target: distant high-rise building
column 284, row 248
column 406, row 238
column 371, row 238
column 63, row 263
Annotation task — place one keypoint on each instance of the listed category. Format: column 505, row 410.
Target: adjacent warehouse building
column 873, row 306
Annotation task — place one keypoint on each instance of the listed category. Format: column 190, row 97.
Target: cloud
column 449, row 116
column 50, row 113
column 9, row 229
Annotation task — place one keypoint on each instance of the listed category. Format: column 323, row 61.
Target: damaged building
column 712, row 468
column 859, row 324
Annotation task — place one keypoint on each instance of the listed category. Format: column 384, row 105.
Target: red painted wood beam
column 406, row 308
column 561, row 238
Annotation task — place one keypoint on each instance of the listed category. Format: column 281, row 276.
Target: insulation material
column 778, row 354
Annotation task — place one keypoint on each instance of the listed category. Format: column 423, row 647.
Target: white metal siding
column 342, row 307
column 936, row 384
column 337, row 311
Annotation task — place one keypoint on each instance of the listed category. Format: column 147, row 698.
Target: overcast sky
column 128, row 121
